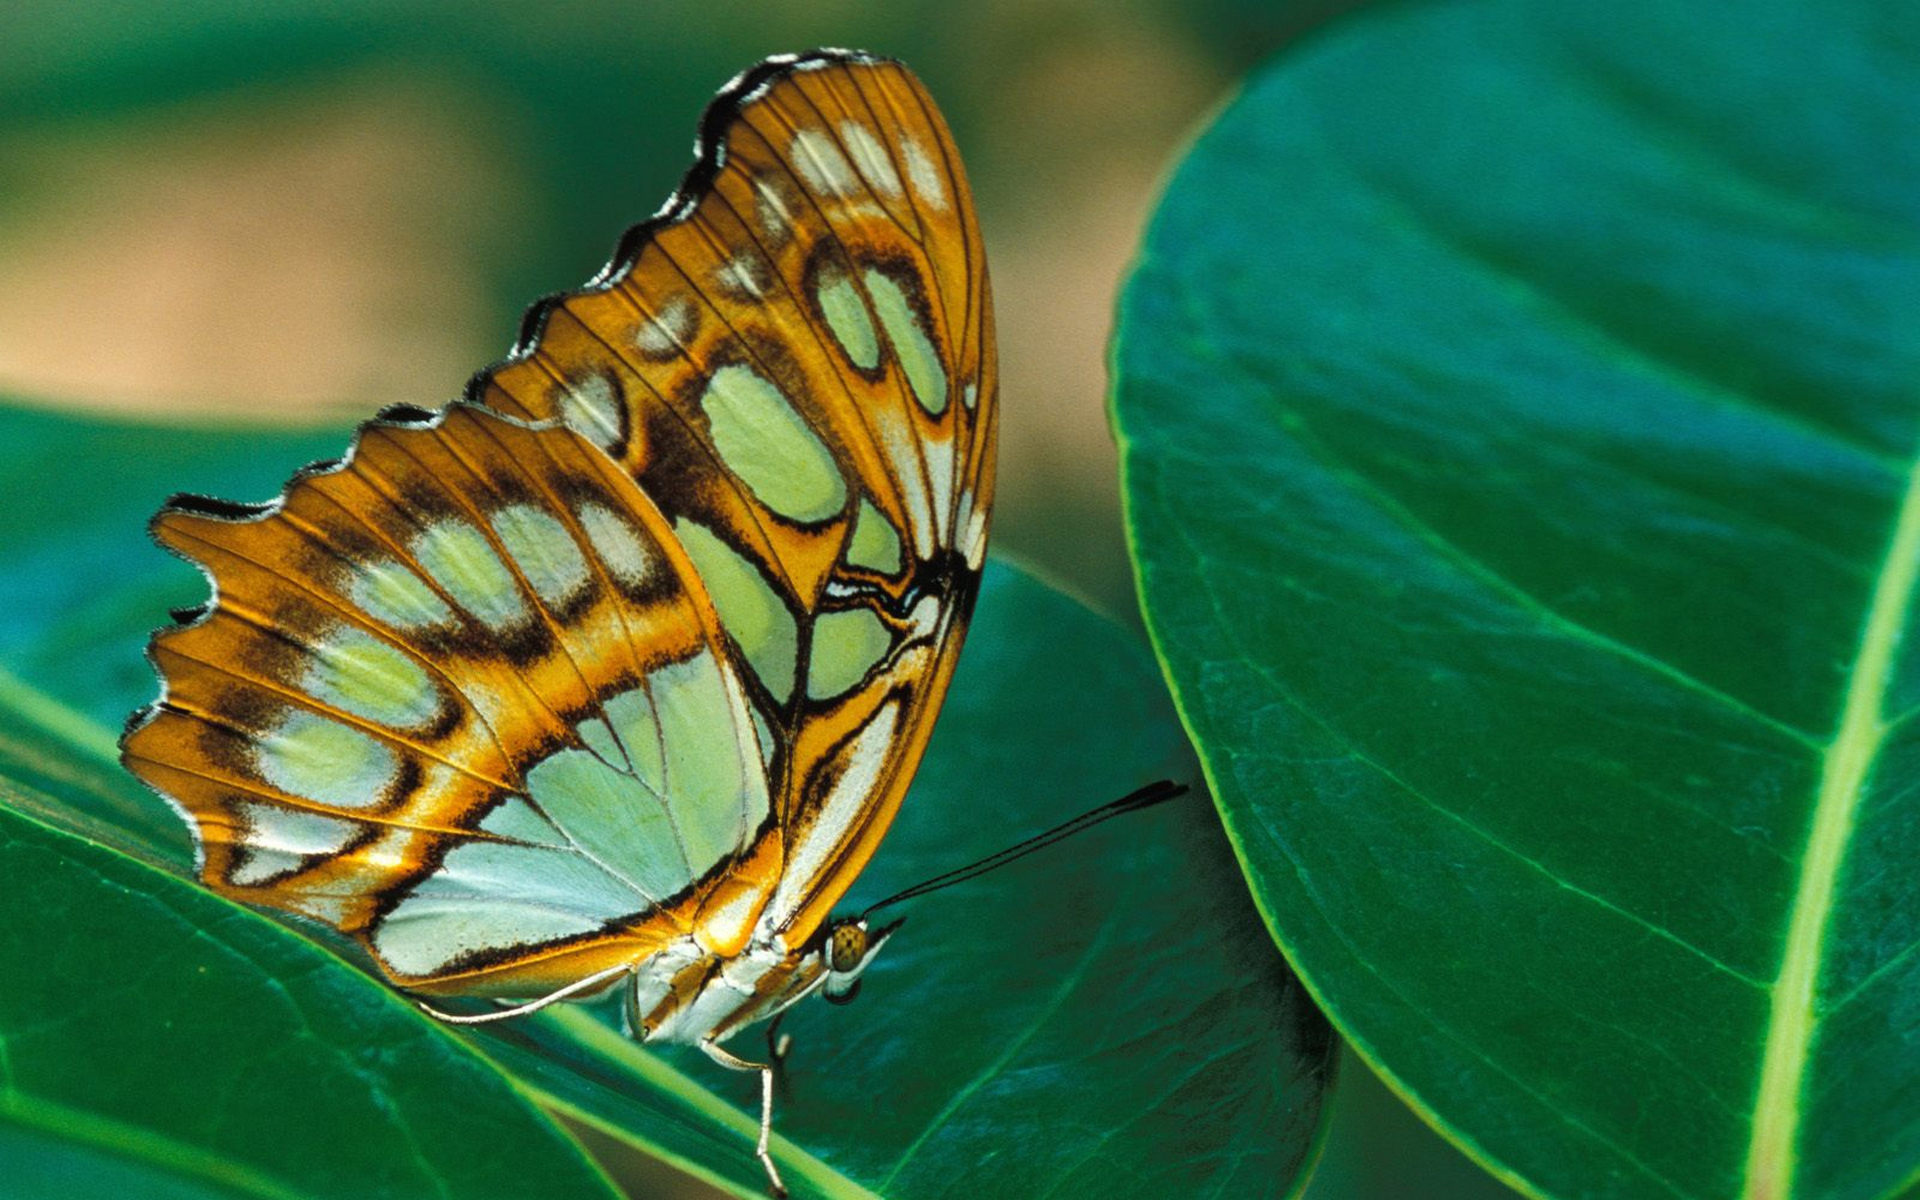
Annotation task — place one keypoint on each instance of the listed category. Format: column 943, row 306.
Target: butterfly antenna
column 1146, row 797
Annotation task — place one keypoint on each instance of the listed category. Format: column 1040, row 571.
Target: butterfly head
column 851, row 944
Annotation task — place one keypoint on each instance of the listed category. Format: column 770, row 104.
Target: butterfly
column 614, row 672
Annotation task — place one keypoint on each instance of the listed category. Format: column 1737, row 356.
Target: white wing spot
column 940, row 471
column 776, row 219
column 871, row 157
column 821, row 164
column 901, row 445
column 924, row 619
column 925, row 176
column 592, row 409
column 861, row 765
column 974, row 544
column 279, row 839
column 624, row 553
column 668, row 331
column 745, row 274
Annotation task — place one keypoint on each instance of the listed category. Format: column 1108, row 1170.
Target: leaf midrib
column 1847, row 760
column 1772, row 1156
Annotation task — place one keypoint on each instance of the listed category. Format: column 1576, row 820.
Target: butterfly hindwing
column 441, row 701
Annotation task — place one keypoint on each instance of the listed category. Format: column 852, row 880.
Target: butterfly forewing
column 797, row 363
column 652, row 642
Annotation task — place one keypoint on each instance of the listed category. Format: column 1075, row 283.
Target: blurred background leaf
column 1520, row 413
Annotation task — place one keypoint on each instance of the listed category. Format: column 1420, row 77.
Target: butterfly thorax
column 688, row 994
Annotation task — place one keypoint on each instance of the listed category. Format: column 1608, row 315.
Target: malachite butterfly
column 613, row 673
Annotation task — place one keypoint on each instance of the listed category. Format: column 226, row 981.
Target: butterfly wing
column 462, row 697
column 524, row 691
column 796, row 360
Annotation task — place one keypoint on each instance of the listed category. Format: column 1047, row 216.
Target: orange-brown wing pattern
column 796, row 362
column 639, row 646
column 462, row 697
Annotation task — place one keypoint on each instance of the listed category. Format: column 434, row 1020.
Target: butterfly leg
column 594, row 981
column 778, row 1043
column 734, row 1062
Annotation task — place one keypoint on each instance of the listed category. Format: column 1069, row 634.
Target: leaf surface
column 157, row 1041
column 1107, row 1019
column 1519, row 411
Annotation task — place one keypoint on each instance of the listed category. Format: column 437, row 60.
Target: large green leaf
column 157, row 1041
column 1108, row 1020
column 1520, row 417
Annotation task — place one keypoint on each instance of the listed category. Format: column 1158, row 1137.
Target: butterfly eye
column 847, row 947
column 851, row 948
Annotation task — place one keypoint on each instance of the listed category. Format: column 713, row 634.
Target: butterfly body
column 615, row 672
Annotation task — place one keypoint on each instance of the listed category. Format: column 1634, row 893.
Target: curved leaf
column 1107, row 1019
column 155, row 1040
column 1520, row 420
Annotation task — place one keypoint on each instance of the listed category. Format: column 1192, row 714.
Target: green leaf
column 155, row 1040
column 1520, row 417
column 82, row 585
column 1106, row 1019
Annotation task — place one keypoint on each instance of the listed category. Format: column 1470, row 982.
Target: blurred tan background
column 296, row 213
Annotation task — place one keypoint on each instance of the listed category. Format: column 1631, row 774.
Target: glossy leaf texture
column 1106, row 1019
column 161, row 1042
column 1519, row 418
